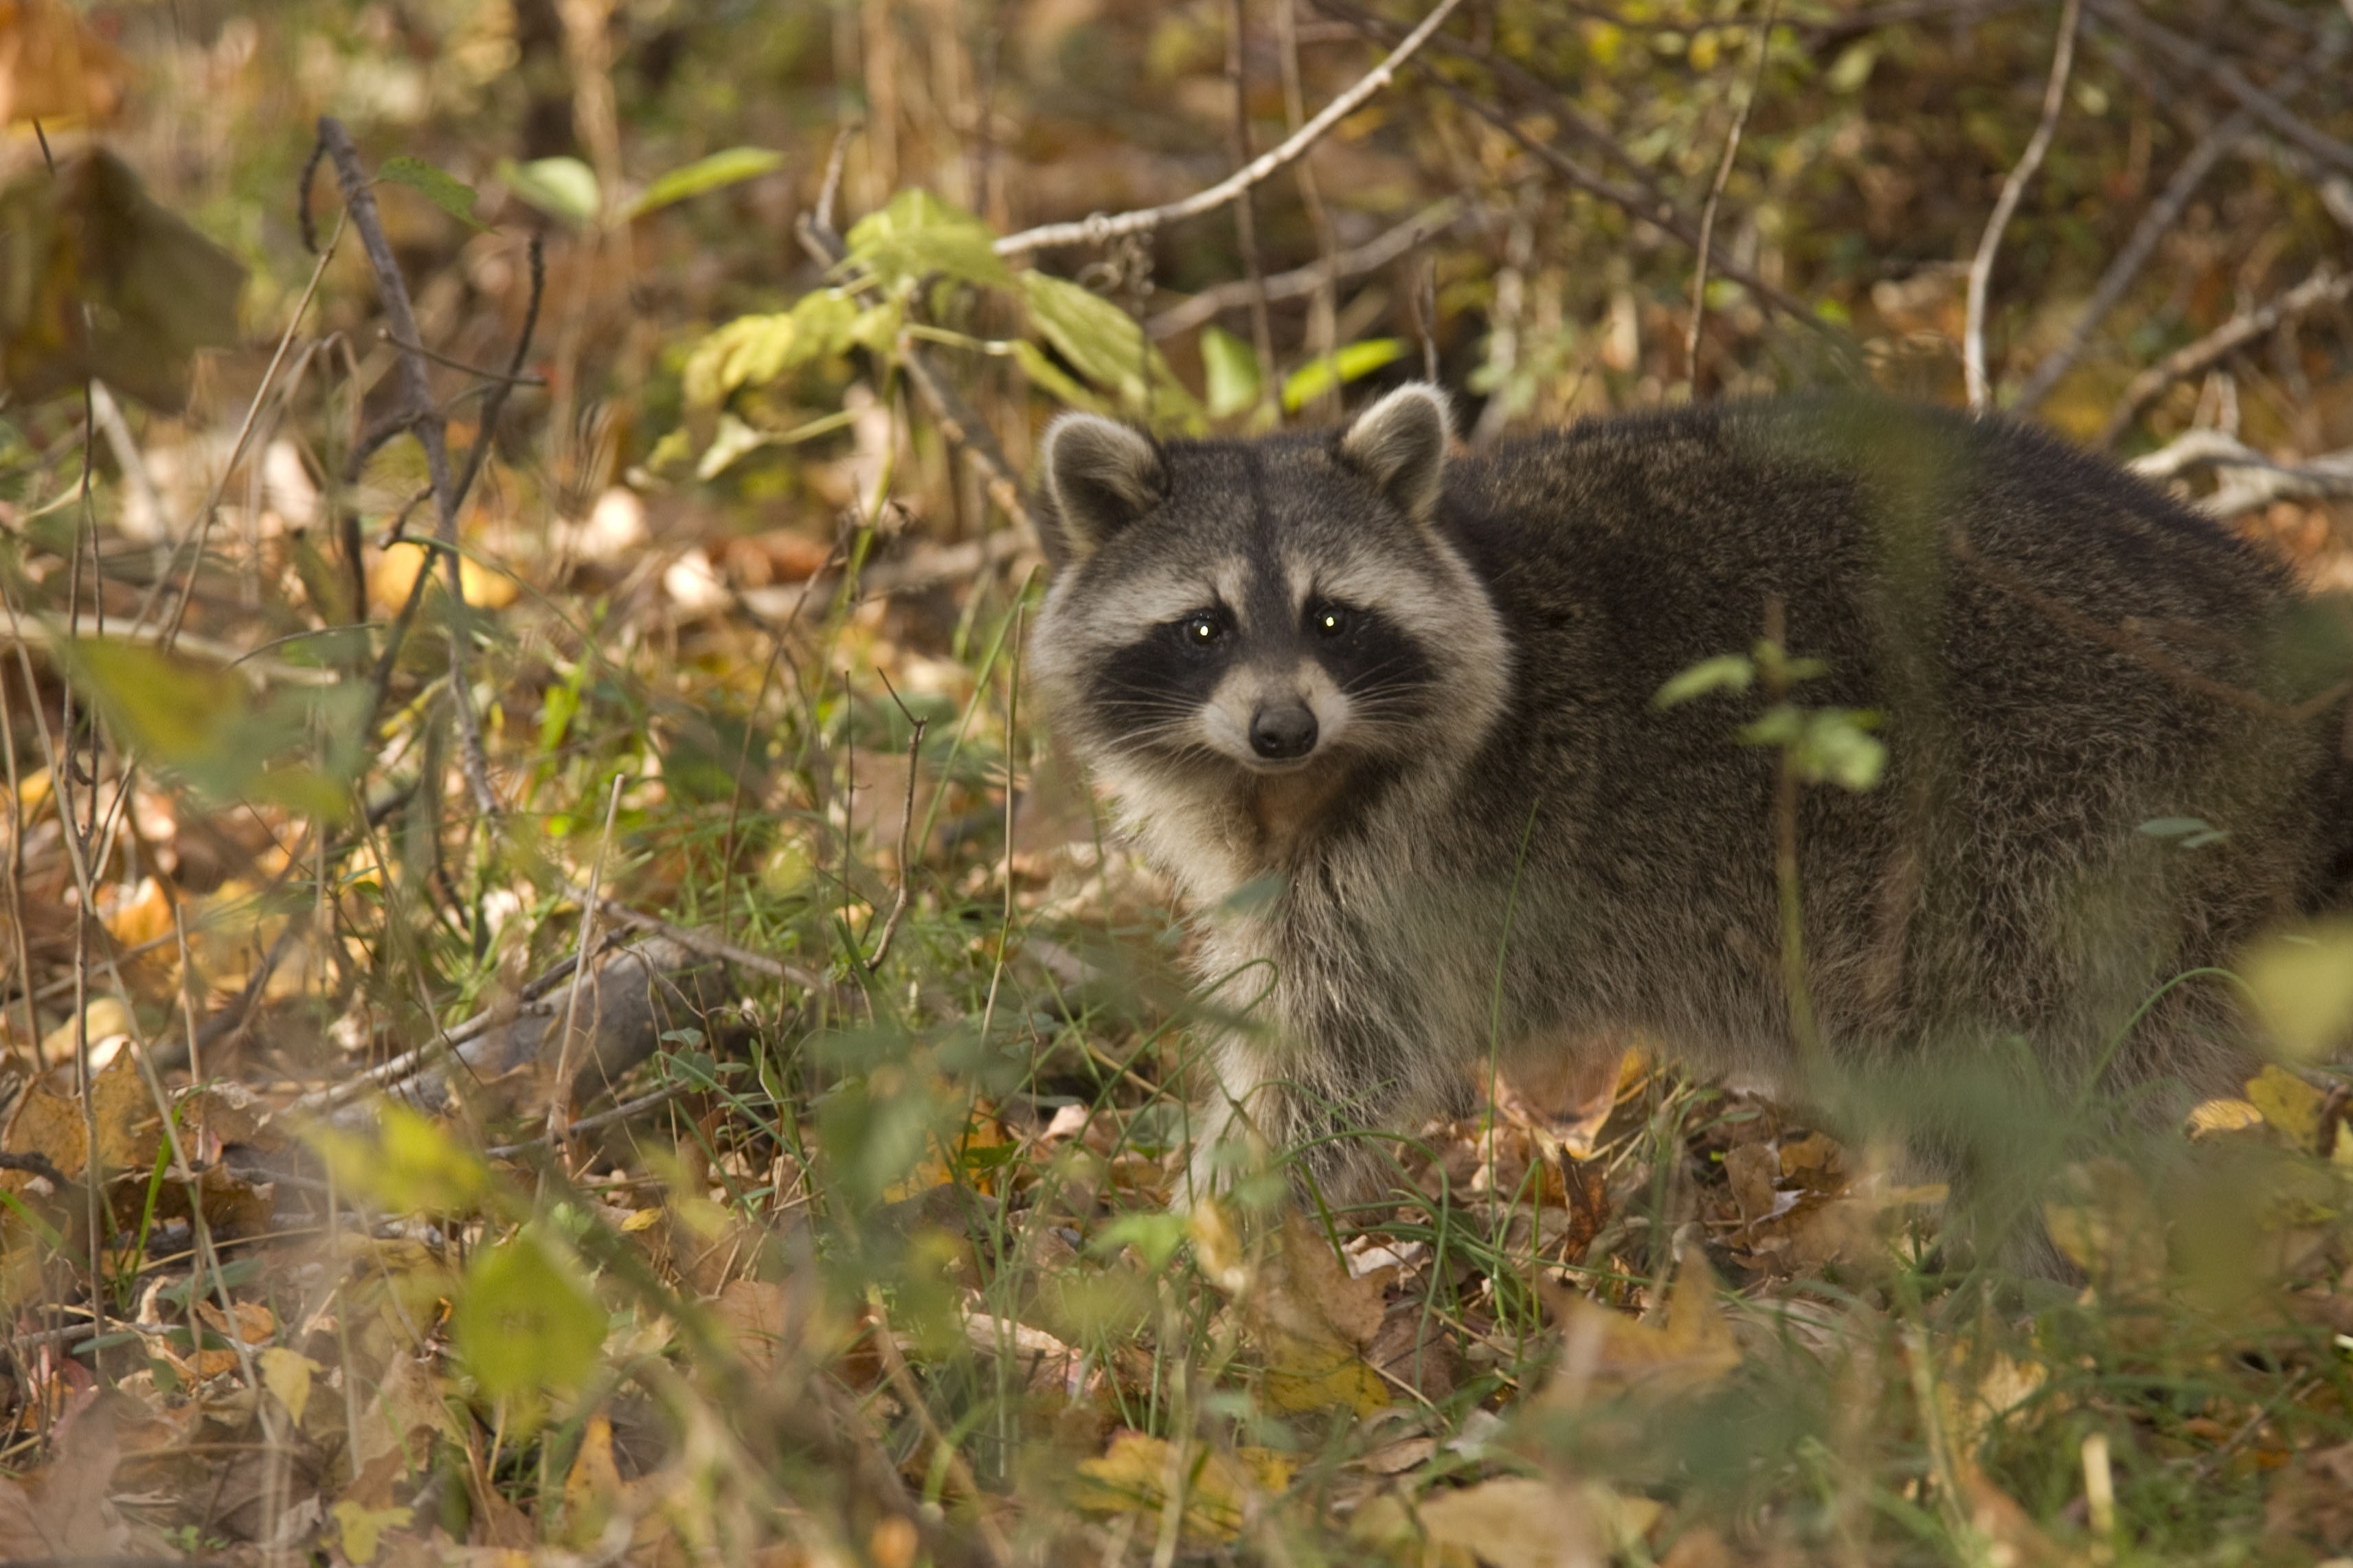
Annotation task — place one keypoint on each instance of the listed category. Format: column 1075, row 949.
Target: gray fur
column 1501, row 841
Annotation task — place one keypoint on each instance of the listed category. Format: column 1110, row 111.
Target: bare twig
column 2162, row 214
column 2188, row 56
column 1246, row 204
column 706, row 944
column 559, row 1097
column 906, row 837
column 1324, row 309
column 423, row 420
column 968, row 434
column 1302, row 281
column 603, row 1119
column 2247, row 479
column 2054, row 98
column 1647, row 200
column 2326, row 286
column 1715, row 195
column 1096, row 230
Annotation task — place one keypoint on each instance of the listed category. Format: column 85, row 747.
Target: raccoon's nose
column 1283, row 733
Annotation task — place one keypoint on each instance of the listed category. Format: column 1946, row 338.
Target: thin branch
column 457, row 365
column 2188, row 56
column 968, row 434
column 1096, row 230
column 2247, row 479
column 416, row 407
column 559, row 1099
column 2054, row 98
column 2325, row 287
column 1715, row 195
column 2162, row 214
column 1302, row 281
column 1323, row 311
column 1647, row 200
column 906, row 837
column 603, row 1119
column 1246, row 204
column 706, row 944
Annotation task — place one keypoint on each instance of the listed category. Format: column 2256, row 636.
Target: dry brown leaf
column 1607, row 1353
column 61, row 1510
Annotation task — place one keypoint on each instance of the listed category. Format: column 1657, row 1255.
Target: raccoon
column 1389, row 719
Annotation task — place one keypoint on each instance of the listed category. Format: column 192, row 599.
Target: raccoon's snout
column 1283, row 732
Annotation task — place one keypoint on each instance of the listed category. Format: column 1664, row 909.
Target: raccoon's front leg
column 1326, row 1102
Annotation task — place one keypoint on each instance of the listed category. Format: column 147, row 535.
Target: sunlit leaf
column 731, row 167
column 523, row 1322
column 918, row 235
column 408, row 1164
column 1104, row 343
column 437, row 186
column 1726, row 672
column 2303, row 986
column 560, row 187
column 1318, row 376
column 1233, row 372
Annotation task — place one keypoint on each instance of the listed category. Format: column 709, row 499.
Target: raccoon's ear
column 1399, row 443
column 1100, row 476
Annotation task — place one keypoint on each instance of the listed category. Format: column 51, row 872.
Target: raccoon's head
column 1227, row 611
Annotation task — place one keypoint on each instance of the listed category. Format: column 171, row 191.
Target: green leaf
column 1836, row 748
column 2175, row 827
column 918, row 235
column 1104, row 343
column 753, row 351
column 731, row 167
column 1233, row 371
column 1155, row 1235
column 1050, row 377
column 1314, row 379
column 1726, row 672
column 560, row 187
column 523, row 1322
column 437, row 186
column 408, row 1164
column 207, row 726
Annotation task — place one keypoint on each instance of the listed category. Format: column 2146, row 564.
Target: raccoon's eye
column 1201, row 629
column 1330, row 621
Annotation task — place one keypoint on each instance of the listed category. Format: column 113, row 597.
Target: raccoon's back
column 2058, row 655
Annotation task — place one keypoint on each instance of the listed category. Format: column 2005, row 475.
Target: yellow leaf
column 395, row 573
column 287, row 1375
column 362, row 1528
column 1321, row 1374
column 1137, row 1472
column 2213, row 1117
column 2303, row 986
column 1517, row 1521
column 594, row 1485
column 2291, row 1105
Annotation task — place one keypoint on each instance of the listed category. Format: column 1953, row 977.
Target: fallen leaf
column 1138, row 1471
column 1515, row 1522
column 2290, row 1105
column 1608, row 1354
column 61, row 1510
